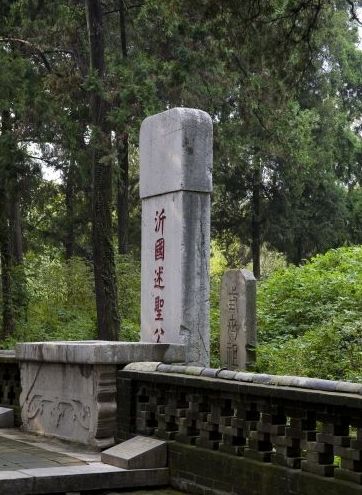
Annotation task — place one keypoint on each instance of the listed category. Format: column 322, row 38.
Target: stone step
column 94, row 476
column 137, row 453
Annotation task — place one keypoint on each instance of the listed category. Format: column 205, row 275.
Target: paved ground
column 15, row 455
column 26, row 450
column 34, row 464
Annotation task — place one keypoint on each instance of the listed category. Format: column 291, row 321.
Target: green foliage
column 128, row 271
column 218, row 265
column 310, row 317
column 331, row 351
column 61, row 301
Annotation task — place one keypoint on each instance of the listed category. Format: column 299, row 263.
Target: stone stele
column 175, row 187
column 238, row 319
column 69, row 388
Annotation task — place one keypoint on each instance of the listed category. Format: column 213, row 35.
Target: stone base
column 75, row 402
column 69, row 388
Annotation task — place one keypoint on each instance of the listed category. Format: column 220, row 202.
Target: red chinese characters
column 159, row 284
column 159, row 278
column 160, row 249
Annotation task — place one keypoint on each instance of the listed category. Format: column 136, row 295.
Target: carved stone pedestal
column 69, row 388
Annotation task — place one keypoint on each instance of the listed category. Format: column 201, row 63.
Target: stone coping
column 7, row 356
column 99, row 352
column 302, row 382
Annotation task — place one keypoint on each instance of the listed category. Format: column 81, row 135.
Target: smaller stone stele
column 238, row 319
column 137, row 453
column 6, row 417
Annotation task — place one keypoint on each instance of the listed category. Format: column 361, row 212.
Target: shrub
column 61, row 300
column 310, row 317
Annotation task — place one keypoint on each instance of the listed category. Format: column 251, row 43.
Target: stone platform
column 29, row 464
column 69, row 388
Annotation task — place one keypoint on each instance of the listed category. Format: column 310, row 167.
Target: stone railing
column 245, row 433
column 10, row 382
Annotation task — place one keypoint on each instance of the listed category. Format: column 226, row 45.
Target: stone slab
column 170, row 144
column 96, row 476
column 137, row 453
column 74, row 402
column 49, row 448
column 99, row 352
column 15, row 483
column 6, row 417
column 175, row 285
column 143, row 366
column 238, row 319
column 68, row 388
column 175, row 187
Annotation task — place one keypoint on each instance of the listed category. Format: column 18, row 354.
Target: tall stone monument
column 175, row 187
column 238, row 319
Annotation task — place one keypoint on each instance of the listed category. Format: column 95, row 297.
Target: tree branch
column 352, row 10
column 32, row 47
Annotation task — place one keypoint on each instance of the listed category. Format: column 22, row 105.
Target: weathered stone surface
column 343, row 392
column 6, row 417
column 69, row 401
column 68, row 388
column 194, row 370
column 95, row 476
column 99, row 352
column 137, row 453
column 227, row 374
column 176, row 152
column 146, row 366
column 15, row 482
column 238, row 319
column 175, row 185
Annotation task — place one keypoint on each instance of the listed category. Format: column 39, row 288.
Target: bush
column 310, row 318
column 61, row 300
column 218, row 265
column 129, row 296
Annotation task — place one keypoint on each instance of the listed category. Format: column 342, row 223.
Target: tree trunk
column 122, row 28
column 122, row 194
column 122, row 154
column 8, row 315
column 255, row 222
column 16, row 235
column 104, row 268
column 69, row 205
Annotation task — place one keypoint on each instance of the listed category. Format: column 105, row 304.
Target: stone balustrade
column 245, row 433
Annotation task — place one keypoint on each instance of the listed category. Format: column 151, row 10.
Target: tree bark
column 104, row 268
column 8, row 315
column 69, row 206
column 122, row 28
column 16, row 234
column 122, row 194
column 255, row 221
column 122, row 155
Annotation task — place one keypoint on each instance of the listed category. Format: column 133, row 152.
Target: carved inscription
column 159, row 274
